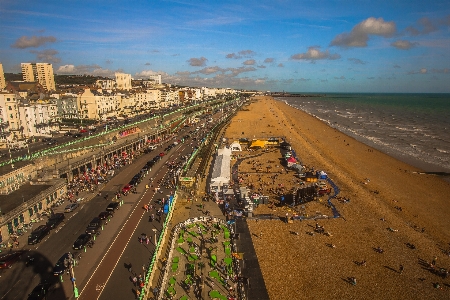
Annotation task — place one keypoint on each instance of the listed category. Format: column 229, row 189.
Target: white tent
column 220, row 177
column 235, row 146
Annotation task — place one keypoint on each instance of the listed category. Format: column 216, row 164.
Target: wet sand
column 384, row 193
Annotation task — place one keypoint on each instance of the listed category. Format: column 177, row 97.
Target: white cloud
column 67, row 69
column 48, row 55
column 247, row 53
column 249, row 62
column 198, row 62
column 403, row 44
column 426, row 26
column 32, row 42
column 233, row 55
column 314, row 53
column 145, row 74
column 209, row 70
column 359, row 35
column 357, row 61
column 269, row 60
column 244, row 53
column 94, row 70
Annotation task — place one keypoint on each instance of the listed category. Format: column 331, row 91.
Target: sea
column 414, row 128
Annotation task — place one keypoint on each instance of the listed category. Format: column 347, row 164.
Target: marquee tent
column 235, row 146
column 220, row 177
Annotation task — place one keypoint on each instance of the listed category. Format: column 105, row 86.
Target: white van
column 152, row 147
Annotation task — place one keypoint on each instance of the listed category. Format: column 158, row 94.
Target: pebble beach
column 393, row 206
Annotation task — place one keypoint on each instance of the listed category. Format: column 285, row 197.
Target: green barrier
column 158, row 245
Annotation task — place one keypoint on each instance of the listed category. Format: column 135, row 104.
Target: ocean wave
column 393, row 130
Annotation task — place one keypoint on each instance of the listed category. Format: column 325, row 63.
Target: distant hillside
column 13, row 77
column 77, row 79
column 61, row 79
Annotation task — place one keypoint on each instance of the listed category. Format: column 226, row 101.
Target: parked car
column 83, row 130
column 55, row 220
column 45, row 140
column 162, row 154
column 94, row 226
column 68, row 133
column 40, row 291
column 52, row 142
column 7, row 260
column 70, row 208
column 38, row 234
column 63, row 262
column 77, row 135
column 82, row 241
column 105, row 215
column 113, row 206
column 61, row 265
column 126, row 189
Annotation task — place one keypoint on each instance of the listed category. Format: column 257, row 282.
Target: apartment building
column 2, row 78
column 39, row 72
column 9, row 119
column 67, row 106
column 39, row 118
column 123, row 81
column 106, row 84
column 155, row 97
column 172, row 98
column 98, row 104
column 156, row 79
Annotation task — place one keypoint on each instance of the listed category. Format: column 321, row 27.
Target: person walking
column 401, row 269
column 129, row 268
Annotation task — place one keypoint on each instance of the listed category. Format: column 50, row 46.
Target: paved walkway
column 250, row 267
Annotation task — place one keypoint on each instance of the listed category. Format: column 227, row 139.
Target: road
column 101, row 272
column 61, row 239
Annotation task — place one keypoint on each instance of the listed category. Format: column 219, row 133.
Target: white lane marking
column 131, row 235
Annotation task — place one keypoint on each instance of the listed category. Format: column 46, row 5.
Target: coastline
column 396, row 196
column 426, row 167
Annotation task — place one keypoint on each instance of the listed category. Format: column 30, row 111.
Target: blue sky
column 297, row 46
